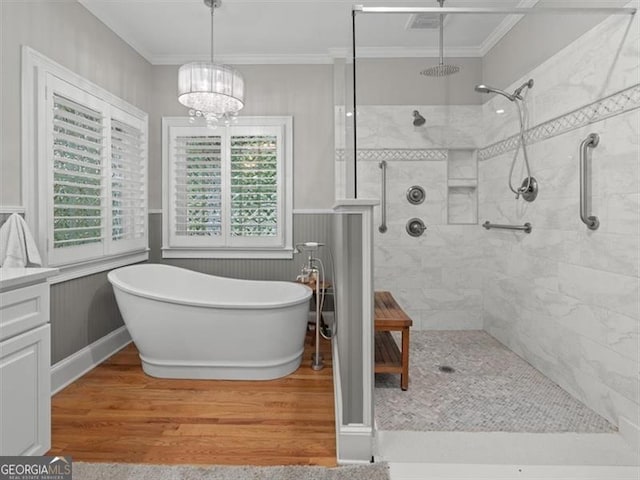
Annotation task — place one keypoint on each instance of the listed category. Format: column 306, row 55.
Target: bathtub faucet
column 308, row 269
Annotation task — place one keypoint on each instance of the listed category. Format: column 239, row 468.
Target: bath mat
column 131, row 471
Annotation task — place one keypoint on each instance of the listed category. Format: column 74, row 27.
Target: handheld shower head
column 483, row 89
column 418, row 120
column 487, row 89
column 527, row 84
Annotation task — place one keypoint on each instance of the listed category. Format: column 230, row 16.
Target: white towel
column 18, row 249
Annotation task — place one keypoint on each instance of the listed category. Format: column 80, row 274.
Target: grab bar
column 591, row 221
column 383, row 193
column 526, row 228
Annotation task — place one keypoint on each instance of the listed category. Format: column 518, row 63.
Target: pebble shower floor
column 490, row 389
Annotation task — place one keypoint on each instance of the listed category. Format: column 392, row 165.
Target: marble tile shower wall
column 437, row 278
column 566, row 298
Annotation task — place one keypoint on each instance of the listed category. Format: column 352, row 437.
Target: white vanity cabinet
column 25, row 378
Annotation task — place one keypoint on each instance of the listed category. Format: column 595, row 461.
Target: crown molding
column 249, row 59
column 406, row 52
column 317, row 59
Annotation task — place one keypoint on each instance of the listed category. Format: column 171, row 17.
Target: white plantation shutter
column 197, row 189
column 128, row 183
column 84, row 169
column 255, row 179
column 77, row 170
column 96, row 171
column 226, row 188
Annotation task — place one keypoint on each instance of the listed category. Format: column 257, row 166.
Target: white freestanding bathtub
column 187, row 324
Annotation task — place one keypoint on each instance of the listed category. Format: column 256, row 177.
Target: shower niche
column 462, row 186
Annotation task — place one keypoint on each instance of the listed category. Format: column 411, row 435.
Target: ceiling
column 168, row 32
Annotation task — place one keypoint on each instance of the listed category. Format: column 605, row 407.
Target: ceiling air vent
column 424, row 21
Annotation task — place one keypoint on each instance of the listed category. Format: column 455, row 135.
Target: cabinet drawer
column 23, row 309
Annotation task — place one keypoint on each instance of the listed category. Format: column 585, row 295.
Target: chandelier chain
column 213, row 9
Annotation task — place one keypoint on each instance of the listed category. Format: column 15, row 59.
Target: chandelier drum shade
column 208, row 89
column 211, row 88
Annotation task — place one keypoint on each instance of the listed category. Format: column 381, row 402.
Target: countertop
column 11, row 278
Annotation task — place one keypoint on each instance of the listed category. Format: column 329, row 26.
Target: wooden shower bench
column 390, row 317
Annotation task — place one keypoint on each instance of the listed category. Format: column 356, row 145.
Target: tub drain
column 446, row 369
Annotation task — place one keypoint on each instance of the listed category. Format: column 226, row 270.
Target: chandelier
column 211, row 91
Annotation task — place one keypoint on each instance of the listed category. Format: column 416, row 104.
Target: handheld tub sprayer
column 313, row 272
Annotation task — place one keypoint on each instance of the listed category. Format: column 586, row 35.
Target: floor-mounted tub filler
column 187, row 324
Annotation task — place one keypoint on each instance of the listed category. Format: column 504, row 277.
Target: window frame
column 240, row 248
column 39, row 74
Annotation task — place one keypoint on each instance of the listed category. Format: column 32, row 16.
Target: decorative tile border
column 397, row 154
column 615, row 104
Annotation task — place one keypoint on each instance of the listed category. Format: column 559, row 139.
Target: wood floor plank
column 116, row 413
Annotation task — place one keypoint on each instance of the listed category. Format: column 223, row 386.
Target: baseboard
column 356, row 444
column 630, row 432
column 73, row 367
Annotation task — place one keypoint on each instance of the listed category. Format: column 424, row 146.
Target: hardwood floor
column 116, row 413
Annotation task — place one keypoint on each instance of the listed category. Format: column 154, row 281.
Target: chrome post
column 591, row 221
column 317, row 359
column 383, row 194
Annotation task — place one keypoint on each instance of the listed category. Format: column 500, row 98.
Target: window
column 227, row 190
column 86, row 175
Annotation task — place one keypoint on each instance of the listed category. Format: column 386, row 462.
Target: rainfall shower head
column 418, row 120
column 442, row 69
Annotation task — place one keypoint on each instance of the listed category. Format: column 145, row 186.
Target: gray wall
column 83, row 310
column 67, row 33
column 303, row 91
column 397, row 81
column 351, row 320
column 532, row 41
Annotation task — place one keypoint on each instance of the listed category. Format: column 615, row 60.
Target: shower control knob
column 416, row 227
column 415, row 195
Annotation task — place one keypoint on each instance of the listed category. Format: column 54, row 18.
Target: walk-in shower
column 535, row 284
column 529, row 187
